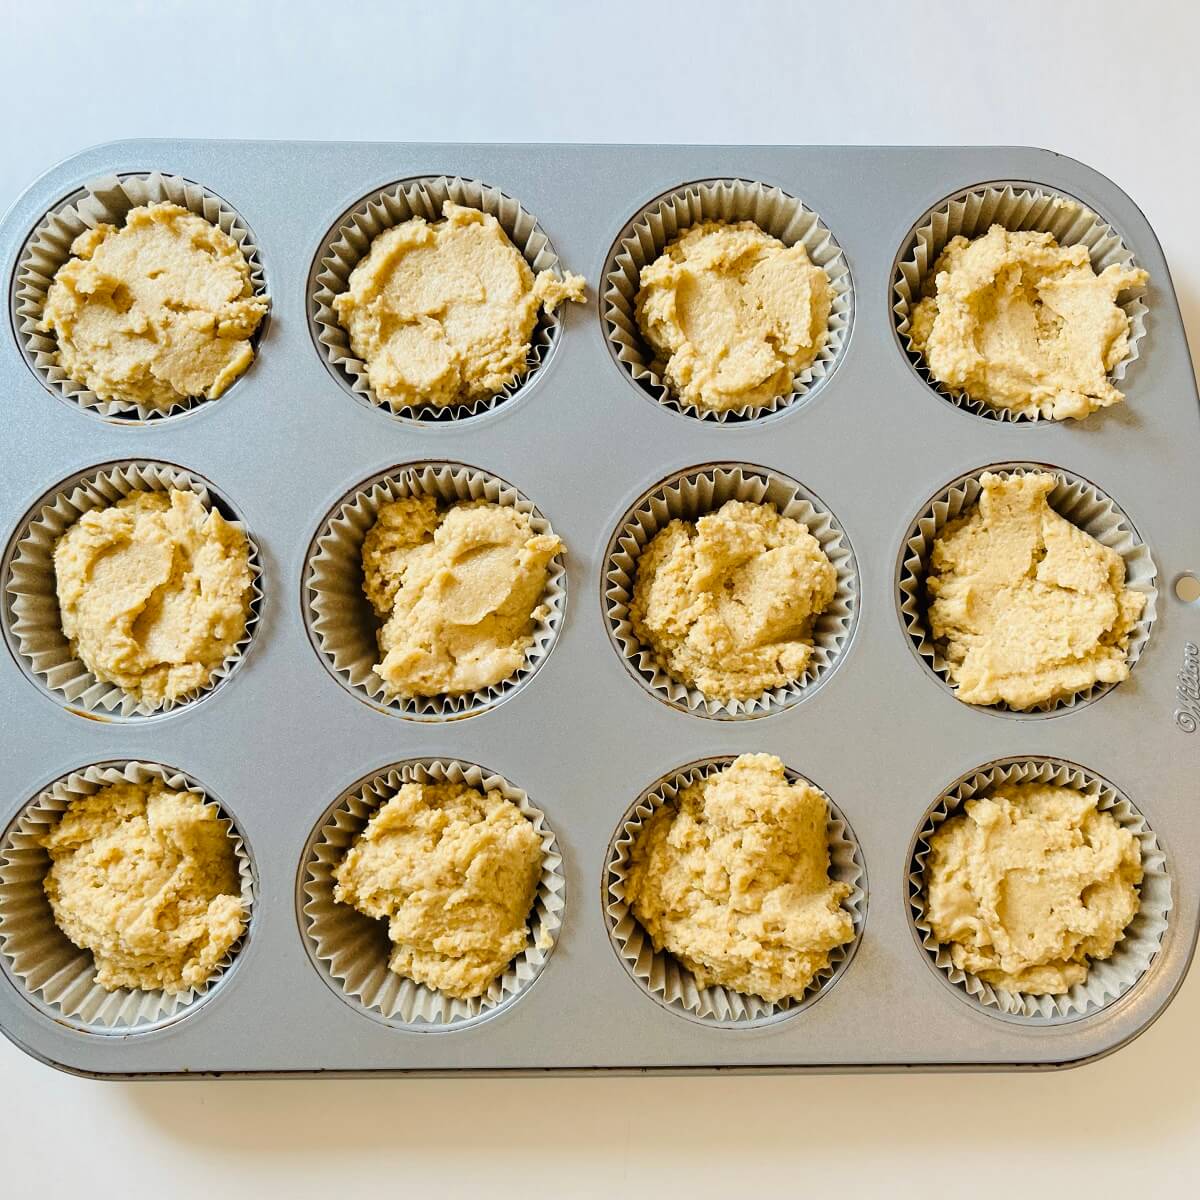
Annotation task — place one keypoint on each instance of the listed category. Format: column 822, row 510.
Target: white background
column 1112, row 82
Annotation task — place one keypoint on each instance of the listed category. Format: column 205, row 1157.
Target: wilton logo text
column 1187, row 694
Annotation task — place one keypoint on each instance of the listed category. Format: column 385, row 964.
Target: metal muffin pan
column 281, row 740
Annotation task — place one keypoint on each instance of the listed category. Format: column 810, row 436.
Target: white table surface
column 1111, row 82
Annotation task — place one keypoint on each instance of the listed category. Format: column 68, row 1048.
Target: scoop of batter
column 727, row 604
column 157, row 311
column 1020, row 322
column 443, row 313
column 732, row 314
column 459, row 590
column 453, row 871
column 733, row 880
column 1030, row 607
column 146, row 879
column 153, row 592
column 1030, row 885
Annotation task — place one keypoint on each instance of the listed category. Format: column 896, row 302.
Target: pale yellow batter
column 146, row 879
column 453, row 871
column 157, row 311
column 732, row 314
column 1030, row 885
column 1030, row 607
column 1019, row 322
column 459, row 591
column 443, row 313
column 733, row 880
column 153, row 592
column 727, row 604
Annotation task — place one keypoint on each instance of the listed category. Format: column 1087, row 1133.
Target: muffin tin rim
column 1076, row 701
column 710, row 765
column 524, row 382
column 221, row 502
column 714, row 419
column 212, row 988
column 904, row 251
column 195, row 404
column 388, row 708
column 1037, row 1026
column 301, row 901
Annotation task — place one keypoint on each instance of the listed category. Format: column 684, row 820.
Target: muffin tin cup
column 343, row 626
column 1108, row 979
column 108, row 200
column 1075, row 499
column 688, row 496
column 1017, row 207
column 57, row 976
column 351, row 950
column 347, row 244
column 32, row 623
column 645, row 238
column 661, row 975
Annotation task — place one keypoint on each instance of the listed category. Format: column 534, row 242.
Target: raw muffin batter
column 732, row 314
column 1030, row 885
column 156, row 311
column 443, row 313
column 1020, row 322
column 153, row 592
column 146, row 879
column 453, row 871
column 459, row 591
column 733, row 880
column 727, row 604
column 1030, row 607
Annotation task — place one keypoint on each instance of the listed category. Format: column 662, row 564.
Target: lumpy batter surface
column 732, row 314
column 153, row 592
column 459, row 589
column 727, row 604
column 443, row 312
column 1019, row 322
column 733, row 880
column 453, row 871
column 160, row 310
column 1030, row 607
column 1030, row 885
column 146, row 879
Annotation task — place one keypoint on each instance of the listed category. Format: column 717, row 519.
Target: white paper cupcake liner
column 351, row 950
column 1077, row 500
column 689, row 495
column 346, row 245
column 108, row 200
column 1018, row 207
column 32, row 623
column 56, row 976
column 1108, row 979
column 660, row 975
column 645, row 238
column 341, row 623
